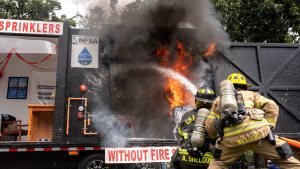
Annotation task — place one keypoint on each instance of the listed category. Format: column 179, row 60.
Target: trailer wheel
column 95, row 161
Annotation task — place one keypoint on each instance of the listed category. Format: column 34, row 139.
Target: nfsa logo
column 85, row 58
column 85, row 51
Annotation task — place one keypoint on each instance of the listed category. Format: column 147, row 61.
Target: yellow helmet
column 237, row 78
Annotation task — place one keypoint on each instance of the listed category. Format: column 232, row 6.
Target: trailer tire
column 94, row 161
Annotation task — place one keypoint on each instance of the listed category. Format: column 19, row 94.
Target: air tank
column 198, row 134
column 228, row 101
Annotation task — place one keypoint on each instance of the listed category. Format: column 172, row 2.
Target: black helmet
column 205, row 94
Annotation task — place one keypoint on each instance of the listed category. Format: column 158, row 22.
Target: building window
column 17, row 88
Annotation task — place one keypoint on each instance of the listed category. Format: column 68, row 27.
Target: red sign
column 139, row 155
column 31, row 27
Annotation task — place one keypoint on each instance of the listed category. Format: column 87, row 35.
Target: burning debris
column 155, row 38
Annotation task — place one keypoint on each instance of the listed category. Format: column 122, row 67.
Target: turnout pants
column 261, row 147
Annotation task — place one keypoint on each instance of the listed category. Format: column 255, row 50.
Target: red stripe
column 30, row 149
column 80, row 148
column 48, row 149
column 64, row 148
column 13, row 149
column 96, row 148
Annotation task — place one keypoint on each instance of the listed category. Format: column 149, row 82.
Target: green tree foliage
column 260, row 20
column 29, row 9
column 64, row 18
column 42, row 10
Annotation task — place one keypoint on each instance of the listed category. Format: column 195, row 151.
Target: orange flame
column 210, row 50
column 164, row 54
column 175, row 91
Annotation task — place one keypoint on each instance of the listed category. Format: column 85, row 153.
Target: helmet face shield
column 203, row 104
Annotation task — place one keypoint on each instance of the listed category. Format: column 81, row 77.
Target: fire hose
column 291, row 142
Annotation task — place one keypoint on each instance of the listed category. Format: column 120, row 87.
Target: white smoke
column 113, row 130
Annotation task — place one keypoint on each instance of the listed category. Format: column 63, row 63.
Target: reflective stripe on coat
column 249, row 130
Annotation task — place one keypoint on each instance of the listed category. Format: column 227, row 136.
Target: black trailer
column 63, row 135
column 76, row 141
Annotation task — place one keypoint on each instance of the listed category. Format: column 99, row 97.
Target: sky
column 71, row 7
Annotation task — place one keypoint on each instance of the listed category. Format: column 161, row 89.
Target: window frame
column 14, row 92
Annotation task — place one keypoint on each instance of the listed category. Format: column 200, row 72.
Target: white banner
column 85, row 51
column 30, row 46
column 139, row 155
column 31, row 27
column 43, row 87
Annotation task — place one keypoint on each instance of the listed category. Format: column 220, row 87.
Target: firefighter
column 194, row 141
column 252, row 130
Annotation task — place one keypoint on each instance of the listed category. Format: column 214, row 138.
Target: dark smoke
column 145, row 25
column 178, row 14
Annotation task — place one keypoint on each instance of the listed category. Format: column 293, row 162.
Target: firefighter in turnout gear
column 243, row 120
column 194, row 150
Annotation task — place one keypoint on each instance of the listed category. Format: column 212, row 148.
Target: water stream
column 187, row 84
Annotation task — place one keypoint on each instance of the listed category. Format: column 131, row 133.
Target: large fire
column 176, row 94
column 175, row 91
